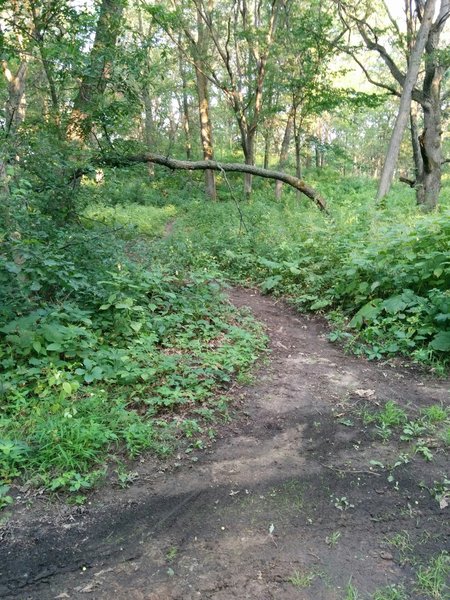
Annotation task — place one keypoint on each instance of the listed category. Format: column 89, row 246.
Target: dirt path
column 286, row 505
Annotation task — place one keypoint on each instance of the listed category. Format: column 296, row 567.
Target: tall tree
column 95, row 77
column 427, row 93
column 243, row 35
column 404, row 111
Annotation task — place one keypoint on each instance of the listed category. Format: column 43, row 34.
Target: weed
column 303, row 579
column 435, row 413
column 401, row 541
column 441, row 492
column 432, row 579
column 413, row 429
column 5, row 499
column 423, row 449
column 332, row 539
column 445, row 435
column 392, row 415
column 171, row 554
column 125, row 479
column 390, row 592
column 342, row 503
column 351, row 592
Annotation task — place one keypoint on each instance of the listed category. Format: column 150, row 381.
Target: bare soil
column 285, row 504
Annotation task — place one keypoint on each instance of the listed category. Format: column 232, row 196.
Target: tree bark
column 417, row 154
column 284, row 152
column 204, row 165
column 200, row 49
column 185, row 107
column 149, row 138
column 149, row 127
column 249, row 155
column 15, row 104
column 405, row 101
column 266, row 149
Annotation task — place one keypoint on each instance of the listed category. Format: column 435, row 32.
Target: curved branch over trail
column 204, row 165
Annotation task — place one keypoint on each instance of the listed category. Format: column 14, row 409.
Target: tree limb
column 204, row 165
column 410, row 182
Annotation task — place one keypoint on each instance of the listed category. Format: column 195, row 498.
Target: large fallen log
column 213, row 165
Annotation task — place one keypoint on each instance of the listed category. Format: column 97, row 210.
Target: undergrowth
column 101, row 354
column 381, row 275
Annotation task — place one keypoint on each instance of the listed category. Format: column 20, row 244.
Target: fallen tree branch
column 213, row 165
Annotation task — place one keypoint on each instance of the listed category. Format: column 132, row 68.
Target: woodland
column 153, row 153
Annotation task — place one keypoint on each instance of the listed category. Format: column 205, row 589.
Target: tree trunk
column 284, row 152
column 417, row 154
column 249, row 155
column 266, row 149
column 317, row 155
column 185, row 109
column 405, row 101
column 15, row 107
column 205, row 130
column 15, row 104
column 94, row 81
column 429, row 185
column 200, row 50
column 149, row 128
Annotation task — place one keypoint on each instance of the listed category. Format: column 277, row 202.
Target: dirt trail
column 284, row 506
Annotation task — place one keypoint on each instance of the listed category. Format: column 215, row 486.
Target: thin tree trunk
column 203, row 106
column 185, row 108
column 405, row 101
column 266, row 149
column 148, row 126
column 417, row 154
column 249, row 155
column 284, row 152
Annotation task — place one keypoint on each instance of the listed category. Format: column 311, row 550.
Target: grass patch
column 303, row 579
column 432, row 579
column 132, row 218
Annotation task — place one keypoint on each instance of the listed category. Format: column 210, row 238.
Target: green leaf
column 37, row 346
column 320, row 304
column 367, row 313
column 441, row 341
column 271, row 282
column 394, row 304
column 54, row 347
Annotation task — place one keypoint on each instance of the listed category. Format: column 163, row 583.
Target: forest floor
column 286, row 504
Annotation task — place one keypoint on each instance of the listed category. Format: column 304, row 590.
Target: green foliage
column 148, row 220
column 382, row 275
column 432, row 579
column 98, row 352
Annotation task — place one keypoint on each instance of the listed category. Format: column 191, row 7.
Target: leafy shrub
column 98, row 352
column 383, row 272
